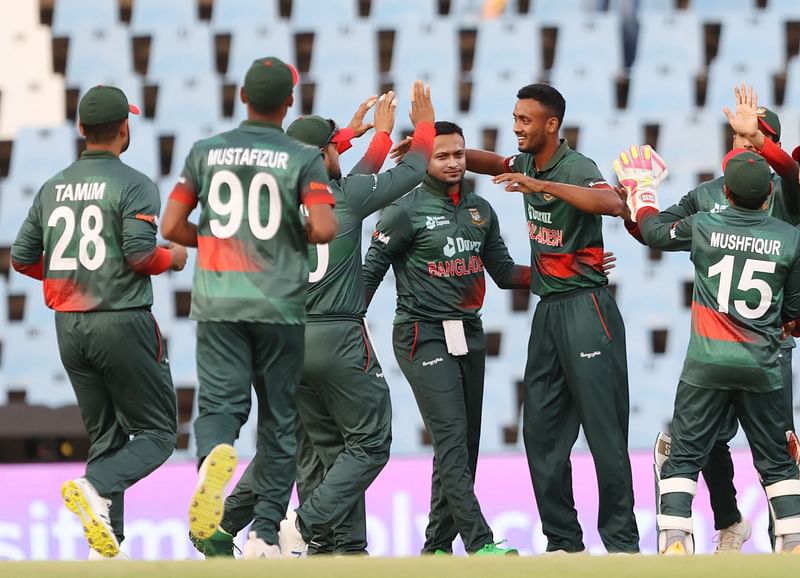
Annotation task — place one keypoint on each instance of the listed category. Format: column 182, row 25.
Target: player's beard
column 127, row 143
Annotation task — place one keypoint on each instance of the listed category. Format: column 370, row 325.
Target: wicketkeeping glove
column 640, row 170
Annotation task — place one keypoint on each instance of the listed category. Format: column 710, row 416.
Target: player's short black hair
column 751, row 204
column 547, row 96
column 265, row 110
column 104, row 133
column 447, row 127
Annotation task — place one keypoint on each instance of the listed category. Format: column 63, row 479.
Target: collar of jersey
column 560, row 153
column 98, row 155
column 260, row 124
column 439, row 188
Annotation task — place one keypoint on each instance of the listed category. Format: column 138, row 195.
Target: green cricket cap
column 746, row 173
column 102, row 104
column 269, row 81
column 315, row 131
column 769, row 123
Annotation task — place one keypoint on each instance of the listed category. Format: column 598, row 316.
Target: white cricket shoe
column 256, row 548
column 82, row 499
column 732, row 538
column 208, row 502
column 290, row 539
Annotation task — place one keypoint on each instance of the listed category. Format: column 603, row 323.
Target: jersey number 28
column 724, row 268
column 91, row 224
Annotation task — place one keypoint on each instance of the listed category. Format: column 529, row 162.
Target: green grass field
column 730, row 566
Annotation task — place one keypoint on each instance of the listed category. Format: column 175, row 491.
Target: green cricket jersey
column 747, row 279
column 710, row 197
column 252, row 257
column 566, row 243
column 438, row 251
column 86, row 220
column 337, row 283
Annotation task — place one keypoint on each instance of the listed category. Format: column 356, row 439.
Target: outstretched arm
column 599, row 200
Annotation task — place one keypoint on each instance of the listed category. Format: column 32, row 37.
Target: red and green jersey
column 86, row 220
column 252, row 257
column 566, row 243
column 439, row 250
column 336, row 280
column 747, row 280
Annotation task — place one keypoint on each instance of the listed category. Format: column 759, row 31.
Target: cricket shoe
column 290, row 539
column 256, row 548
column 94, row 556
column 732, row 538
column 82, row 499
column 218, row 545
column 208, row 502
column 494, row 549
column 676, row 543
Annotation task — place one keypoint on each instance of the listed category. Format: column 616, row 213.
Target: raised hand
column 385, row 112
column 640, row 170
column 745, row 121
column 357, row 123
column 400, row 149
column 421, row 104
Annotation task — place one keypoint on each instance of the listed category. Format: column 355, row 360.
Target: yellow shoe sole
column 100, row 537
column 208, row 502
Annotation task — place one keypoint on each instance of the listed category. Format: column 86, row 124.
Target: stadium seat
column 713, row 10
column 786, row 9
column 230, row 16
column 31, row 103
column 181, row 52
column 670, row 38
column 346, row 48
column 658, row 92
column 18, row 15
column 270, row 39
column 73, row 18
column 790, row 126
column 38, row 153
column 589, row 91
column 693, row 143
column 32, row 57
column 764, row 25
column 186, row 100
column 181, row 344
column 128, row 82
column 723, row 76
column 548, row 13
column 605, row 138
column 143, row 151
column 97, row 54
column 148, row 16
column 312, row 15
column 591, row 40
column 792, row 96
column 392, row 13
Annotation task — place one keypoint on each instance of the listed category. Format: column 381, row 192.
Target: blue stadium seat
column 790, row 126
column 693, row 144
column 181, row 52
column 787, row 9
column 764, row 25
column 346, row 48
column 657, row 92
column 181, row 344
column 670, row 38
column 16, row 197
column 591, row 40
column 270, row 39
column 338, row 96
column 186, row 100
column 313, row 15
column 792, row 97
column 143, row 152
column 38, row 153
column 589, row 91
column 232, row 16
column 713, row 10
column 97, row 54
column 392, row 13
column 74, row 17
column 605, row 138
column 549, row 12
column 723, row 76
column 148, row 16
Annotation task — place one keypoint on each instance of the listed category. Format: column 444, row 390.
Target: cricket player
column 747, row 281
column 576, row 373
column 90, row 236
column 439, row 239
column 758, row 129
column 249, row 293
column 343, row 399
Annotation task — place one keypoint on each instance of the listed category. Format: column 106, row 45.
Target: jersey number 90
column 233, row 208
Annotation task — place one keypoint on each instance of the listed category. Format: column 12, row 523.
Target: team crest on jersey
column 476, row 216
column 548, row 197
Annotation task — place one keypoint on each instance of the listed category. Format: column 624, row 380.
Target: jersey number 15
column 724, row 268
